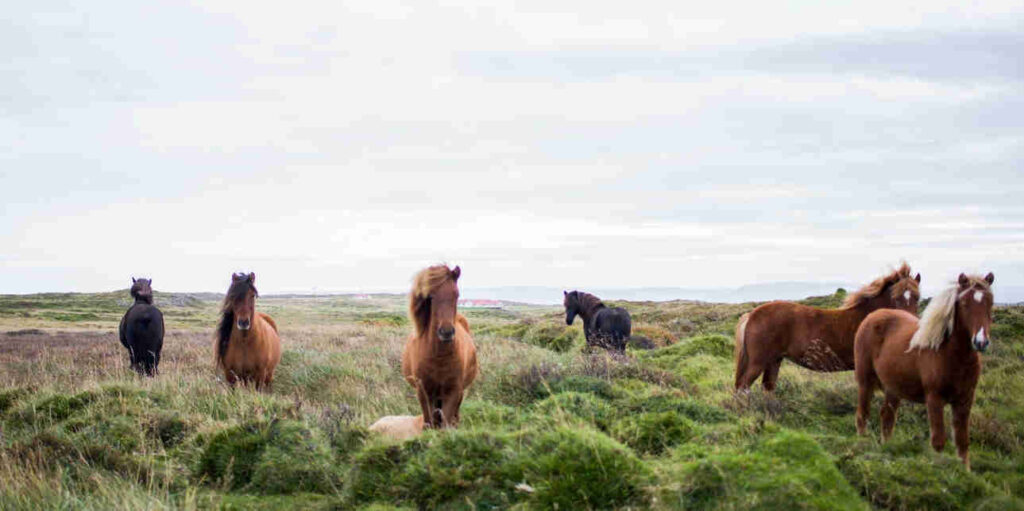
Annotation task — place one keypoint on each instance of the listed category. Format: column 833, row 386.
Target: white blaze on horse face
column 906, row 296
column 978, row 295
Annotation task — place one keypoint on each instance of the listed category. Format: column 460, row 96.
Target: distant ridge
column 748, row 293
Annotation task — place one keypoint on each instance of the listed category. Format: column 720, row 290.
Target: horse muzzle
column 980, row 341
column 446, row 334
column 244, row 324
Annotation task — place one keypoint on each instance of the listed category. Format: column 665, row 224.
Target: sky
column 341, row 146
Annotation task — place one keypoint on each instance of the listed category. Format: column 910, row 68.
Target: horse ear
column 456, row 273
column 963, row 280
column 565, row 293
column 990, row 278
column 235, row 277
column 918, row 278
column 133, row 280
column 252, row 277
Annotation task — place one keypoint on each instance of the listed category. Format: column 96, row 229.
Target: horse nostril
column 446, row 333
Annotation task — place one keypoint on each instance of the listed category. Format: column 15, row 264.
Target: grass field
column 547, row 425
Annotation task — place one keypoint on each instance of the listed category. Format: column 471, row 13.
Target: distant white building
column 471, row 303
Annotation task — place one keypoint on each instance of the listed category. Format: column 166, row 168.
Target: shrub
column 651, row 433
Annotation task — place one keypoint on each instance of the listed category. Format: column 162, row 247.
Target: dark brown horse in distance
column 933, row 361
column 142, row 329
column 605, row 327
column 818, row 339
column 439, row 361
column 247, row 347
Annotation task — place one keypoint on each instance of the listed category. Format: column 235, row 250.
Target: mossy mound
column 652, row 433
column 685, row 406
column 571, row 406
column 787, row 470
column 580, row 468
column 658, row 335
column 461, row 469
column 715, row 345
column 553, row 337
column 928, row 481
column 279, row 457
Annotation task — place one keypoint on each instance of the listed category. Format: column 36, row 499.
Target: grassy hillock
column 549, row 424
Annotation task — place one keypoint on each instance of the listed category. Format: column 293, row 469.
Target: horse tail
column 741, row 346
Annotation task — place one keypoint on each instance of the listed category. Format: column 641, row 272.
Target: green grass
column 548, row 424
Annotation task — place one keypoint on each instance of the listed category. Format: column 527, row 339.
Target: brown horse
column 439, row 360
column 247, row 347
column 818, row 339
column 934, row 361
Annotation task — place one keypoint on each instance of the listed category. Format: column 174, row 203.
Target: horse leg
column 938, row 428
column 427, row 408
column 865, row 391
column 450, row 410
column 231, row 378
column 771, row 374
column 961, row 419
column 887, row 415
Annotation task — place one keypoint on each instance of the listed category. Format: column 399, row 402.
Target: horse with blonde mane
column 247, row 347
column 439, row 360
column 818, row 339
column 933, row 361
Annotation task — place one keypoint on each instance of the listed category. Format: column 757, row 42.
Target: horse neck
column 959, row 341
column 851, row 319
column 588, row 313
column 143, row 301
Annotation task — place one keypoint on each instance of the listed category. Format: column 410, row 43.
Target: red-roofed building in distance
column 473, row 303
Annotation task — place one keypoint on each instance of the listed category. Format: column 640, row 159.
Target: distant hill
column 748, row 293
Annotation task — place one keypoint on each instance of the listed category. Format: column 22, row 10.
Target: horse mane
column 878, row 285
column 236, row 292
column 588, row 302
column 937, row 319
column 423, row 284
column 136, row 287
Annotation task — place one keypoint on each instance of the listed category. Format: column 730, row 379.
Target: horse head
column 571, row 301
column 904, row 293
column 974, row 308
column 444, row 301
column 241, row 299
column 433, row 302
column 142, row 290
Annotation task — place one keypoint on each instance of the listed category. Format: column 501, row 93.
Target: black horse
column 605, row 327
column 142, row 329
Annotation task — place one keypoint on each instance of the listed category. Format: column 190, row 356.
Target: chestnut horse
column 247, row 347
column 933, row 361
column 818, row 339
column 439, row 361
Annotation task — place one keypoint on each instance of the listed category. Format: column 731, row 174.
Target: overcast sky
column 343, row 145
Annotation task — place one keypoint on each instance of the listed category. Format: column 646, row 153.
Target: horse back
column 142, row 323
column 614, row 321
column 467, row 351
column 269, row 320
